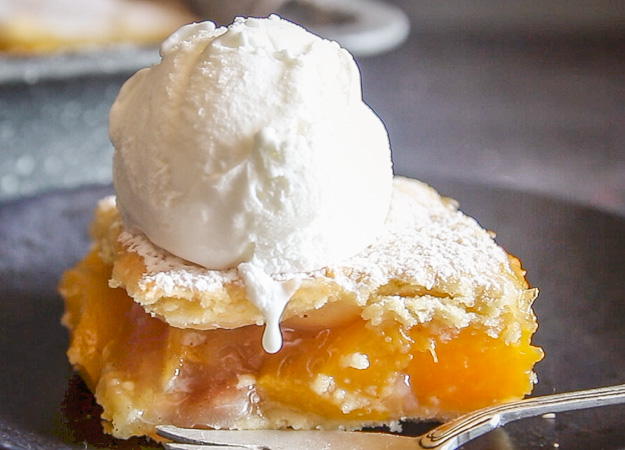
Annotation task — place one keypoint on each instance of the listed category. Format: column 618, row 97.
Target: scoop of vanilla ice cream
column 251, row 143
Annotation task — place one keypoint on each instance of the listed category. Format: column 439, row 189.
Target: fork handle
column 456, row 432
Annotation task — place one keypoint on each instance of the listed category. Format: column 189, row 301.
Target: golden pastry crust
column 432, row 262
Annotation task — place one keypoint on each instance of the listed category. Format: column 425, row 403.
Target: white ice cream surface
column 251, row 144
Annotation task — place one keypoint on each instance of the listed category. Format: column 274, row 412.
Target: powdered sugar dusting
column 170, row 273
column 425, row 240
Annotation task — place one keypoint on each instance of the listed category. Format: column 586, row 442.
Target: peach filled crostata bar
column 431, row 320
column 260, row 266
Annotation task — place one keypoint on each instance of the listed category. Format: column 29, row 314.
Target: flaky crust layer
column 432, row 262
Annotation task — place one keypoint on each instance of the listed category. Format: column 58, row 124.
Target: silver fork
column 447, row 436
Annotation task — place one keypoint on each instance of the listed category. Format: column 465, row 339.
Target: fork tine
column 285, row 440
column 182, row 435
column 176, row 446
column 223, row 439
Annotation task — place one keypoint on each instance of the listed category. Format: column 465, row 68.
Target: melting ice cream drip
column 271, row 297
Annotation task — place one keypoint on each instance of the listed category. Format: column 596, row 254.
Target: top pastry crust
column 432, row 264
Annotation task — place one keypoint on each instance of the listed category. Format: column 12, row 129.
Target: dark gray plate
column 576, row 256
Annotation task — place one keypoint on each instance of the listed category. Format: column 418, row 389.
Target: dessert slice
column 260, row 266
column 432, row 319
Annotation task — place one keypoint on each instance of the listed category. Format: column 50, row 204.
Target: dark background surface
column 512, row 95
column 519, row 114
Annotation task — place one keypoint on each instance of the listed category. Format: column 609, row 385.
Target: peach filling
column 145, row 372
